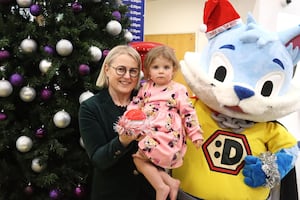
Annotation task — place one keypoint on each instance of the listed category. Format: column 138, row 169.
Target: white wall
column 181, row 16
column 185, row 16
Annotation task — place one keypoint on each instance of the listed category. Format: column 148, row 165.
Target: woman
column 115, row 176
column 170, row 120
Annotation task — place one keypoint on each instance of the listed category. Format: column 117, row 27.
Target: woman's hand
column 126, row 139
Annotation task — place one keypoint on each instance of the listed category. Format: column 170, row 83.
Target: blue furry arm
column 268, row 169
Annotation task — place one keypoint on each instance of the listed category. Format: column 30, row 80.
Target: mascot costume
column 243, row 81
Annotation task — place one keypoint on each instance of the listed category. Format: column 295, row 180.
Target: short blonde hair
column 163, row 51
column 102, row 80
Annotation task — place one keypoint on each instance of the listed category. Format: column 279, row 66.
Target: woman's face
column 122, row 84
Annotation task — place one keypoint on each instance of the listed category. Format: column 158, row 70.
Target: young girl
column 170, row 116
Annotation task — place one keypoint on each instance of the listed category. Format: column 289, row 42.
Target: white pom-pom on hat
column 203, row 28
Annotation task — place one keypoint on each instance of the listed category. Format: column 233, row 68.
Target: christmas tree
column 50, row 56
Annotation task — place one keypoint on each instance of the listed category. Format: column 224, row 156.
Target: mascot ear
column 291, row 39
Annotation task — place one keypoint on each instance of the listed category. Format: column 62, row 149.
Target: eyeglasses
column 122, row 70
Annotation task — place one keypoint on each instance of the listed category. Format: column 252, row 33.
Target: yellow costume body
column 214, row 172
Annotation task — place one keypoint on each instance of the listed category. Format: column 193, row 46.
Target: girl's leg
column 153, row 175
column 172, row 183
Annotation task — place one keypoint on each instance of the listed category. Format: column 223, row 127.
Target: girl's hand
column 126, row 139
column 198, row 143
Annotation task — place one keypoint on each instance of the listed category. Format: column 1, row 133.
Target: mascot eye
column 220, row 68
column 220, row 73
column 270, row 84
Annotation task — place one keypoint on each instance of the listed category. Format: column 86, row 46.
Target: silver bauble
column 24, row 144
column 44, row 65
column 36, row 166
column 96, row 53
column 62, row 119
column 114, row 27
column 24, row 3
column 28, row 45
column 128, row 36
column 5, row 88
column 64, row 47
column 85, row 95
column 27, row 93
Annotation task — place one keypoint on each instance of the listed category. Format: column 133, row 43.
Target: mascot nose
column 242, row 92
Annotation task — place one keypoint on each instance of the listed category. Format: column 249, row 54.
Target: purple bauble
column 117, row 15
column 49, row 49
column 40, row 132
column 35, row 10
column 16, row 79
column 5, row 1
column 79, row 191
column 77, row 7
column 84, row 69
column 46, row 94
column 28, row 189
column 4, row 54
column 105, row 52
column 54, row 194
column 3, row 116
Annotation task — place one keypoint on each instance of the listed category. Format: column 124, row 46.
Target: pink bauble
column 28, row 189
column 3, row 116
column 77, row 7
column 4, row 54
column 46, row 94
column 84, row 69
column 79, row 191
column 40, row 132
column 105, row 52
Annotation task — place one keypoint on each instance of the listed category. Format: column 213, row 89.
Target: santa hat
column 219, row 15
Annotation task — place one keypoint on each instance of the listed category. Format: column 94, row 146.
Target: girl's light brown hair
column 163, row 51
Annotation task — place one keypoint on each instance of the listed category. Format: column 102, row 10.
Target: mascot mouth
column 235, row 109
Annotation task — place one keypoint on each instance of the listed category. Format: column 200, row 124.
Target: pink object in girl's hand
column 132, row 122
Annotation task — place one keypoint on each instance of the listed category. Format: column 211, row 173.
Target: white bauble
column 28, row 45
column 81, row 142
column 36, row 166
column 96, row 53
column 114, row 27
column 24, row 144
column 64, row 47
column 27, row 93
column 85, row 95
column 24, row 3
column 141, row 75
column 128, row 36
column 5, row 88
column 45, row 65
column 62, row 119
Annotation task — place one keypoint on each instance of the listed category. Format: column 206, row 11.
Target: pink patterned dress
column 172, row 119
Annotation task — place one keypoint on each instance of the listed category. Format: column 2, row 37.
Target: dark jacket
column 115, row 176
